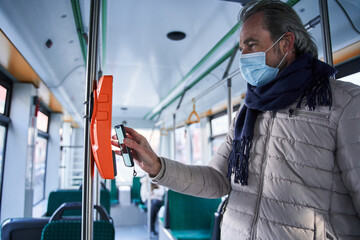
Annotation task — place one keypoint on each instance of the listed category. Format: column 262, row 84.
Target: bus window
column 42, row 122
column 354, row 78
column 5, row 91
column 39, row 162
column 219, row 128
column 196, row 143
column 39, row 169
column 180, row 144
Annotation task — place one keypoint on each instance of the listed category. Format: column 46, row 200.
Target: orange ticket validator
column 100, row 128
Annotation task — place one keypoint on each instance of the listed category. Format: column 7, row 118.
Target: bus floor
column 131, row 232
column 129, row 222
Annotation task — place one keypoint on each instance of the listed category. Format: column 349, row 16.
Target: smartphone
column 125, row 151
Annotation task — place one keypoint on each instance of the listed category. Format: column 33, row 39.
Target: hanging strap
column 193, row 113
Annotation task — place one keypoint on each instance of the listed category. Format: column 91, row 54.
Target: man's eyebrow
column 246, row 41
column 250, row 39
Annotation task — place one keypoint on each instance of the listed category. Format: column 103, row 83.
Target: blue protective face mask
column 254, row 69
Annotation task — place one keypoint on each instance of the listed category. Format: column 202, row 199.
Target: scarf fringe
column 238, row 160
column 318, row 95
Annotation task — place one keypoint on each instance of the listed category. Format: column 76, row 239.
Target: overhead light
column 176, row 35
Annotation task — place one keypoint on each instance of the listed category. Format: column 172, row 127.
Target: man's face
column 255, row 38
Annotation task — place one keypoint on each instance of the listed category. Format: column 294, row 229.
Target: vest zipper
column 296, row 112
column 258, row 201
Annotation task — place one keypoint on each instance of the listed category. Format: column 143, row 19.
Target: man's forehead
column 253, row 27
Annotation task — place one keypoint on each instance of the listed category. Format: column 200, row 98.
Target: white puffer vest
column 304, row 174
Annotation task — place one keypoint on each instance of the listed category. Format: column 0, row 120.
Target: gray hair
column 280, row 18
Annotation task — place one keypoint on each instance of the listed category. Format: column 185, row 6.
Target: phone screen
column 126, row 154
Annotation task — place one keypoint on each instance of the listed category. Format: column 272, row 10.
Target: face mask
column 254, row 69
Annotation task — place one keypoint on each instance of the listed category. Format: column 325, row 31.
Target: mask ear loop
column 282, row 60
column 275, row 42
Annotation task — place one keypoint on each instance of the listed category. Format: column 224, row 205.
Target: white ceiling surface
column 29, row 24
column 146, row 65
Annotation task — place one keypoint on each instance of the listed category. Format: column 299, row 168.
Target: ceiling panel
column 144, row 61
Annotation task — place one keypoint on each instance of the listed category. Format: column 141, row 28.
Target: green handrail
column 103, row 28
column 79, row 26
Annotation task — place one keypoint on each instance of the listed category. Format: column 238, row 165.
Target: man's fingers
column 132, row 144
column 117, row 152
column 115, row 142
column 135, row 135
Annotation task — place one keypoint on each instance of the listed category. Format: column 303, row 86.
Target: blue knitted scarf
column 306, row 77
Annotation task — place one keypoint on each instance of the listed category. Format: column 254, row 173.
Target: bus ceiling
column 52, row 37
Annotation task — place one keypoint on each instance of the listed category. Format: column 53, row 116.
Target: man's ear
column 288, row 43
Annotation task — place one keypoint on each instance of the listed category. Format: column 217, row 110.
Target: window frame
column 45, row 135
column 5, row 121
column 347, row 68
column 217, row 115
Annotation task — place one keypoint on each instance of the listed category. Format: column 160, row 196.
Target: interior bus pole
column 87, row 189
column 229, row 100
column 325, row 31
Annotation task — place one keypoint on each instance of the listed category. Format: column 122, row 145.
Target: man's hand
column 141, row 151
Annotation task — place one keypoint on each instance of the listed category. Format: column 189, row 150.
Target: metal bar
column 97, row 189
column 312, row 23
column 229, row 109
column 226, row 73
column 174, row 136
column 87, row 192
column 325, row 27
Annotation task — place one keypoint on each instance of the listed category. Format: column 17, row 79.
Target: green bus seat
column 23, row 228
column 114, row 193
column 62, row 228
column 71, row 230
column 188, row 217
column 135, row 194
column 143, row 207
column 58, row 197
column 135, row 191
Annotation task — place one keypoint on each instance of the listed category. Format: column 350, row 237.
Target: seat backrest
column 135, row 190
column 63, row 228
column 23, row 228
column 58, row 197
column 71, row 230
column 187, row 212
column 114, row 192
